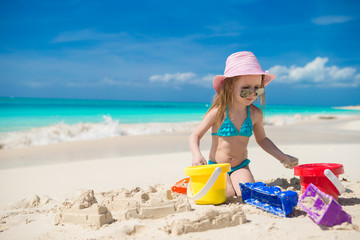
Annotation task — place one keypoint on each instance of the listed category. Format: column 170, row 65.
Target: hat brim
column 217, row 82
column 219, row 79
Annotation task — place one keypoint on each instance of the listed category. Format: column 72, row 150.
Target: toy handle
column 331, row 176
column 207, row 186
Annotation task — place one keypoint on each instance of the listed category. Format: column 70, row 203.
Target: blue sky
column 171, row 50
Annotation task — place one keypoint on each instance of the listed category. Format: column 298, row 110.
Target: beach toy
column 324, row 176
column 207, row 183
column 322, row 208
column 270, row 199
column 181, row 186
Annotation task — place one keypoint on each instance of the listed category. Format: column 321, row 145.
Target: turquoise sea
column 19, row 114
column 39, row 121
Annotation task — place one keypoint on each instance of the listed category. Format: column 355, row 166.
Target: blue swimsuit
column 228, row 129
column 233, row 169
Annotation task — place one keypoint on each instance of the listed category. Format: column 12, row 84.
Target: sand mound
column 153, row 203
column 213, row 218
column 344, row 226
column 30, row 203
column 200, row 219
column 84, row 211
column 138, row 230
column 292, row 184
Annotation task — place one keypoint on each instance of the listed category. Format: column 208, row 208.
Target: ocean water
column 18, row 114
column 38, row 121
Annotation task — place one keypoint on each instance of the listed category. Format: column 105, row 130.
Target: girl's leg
column 230, row 192
column 242, row 175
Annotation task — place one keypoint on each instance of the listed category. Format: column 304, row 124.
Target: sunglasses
column 244, row 93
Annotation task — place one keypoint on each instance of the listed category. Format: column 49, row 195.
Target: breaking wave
column 109, row 127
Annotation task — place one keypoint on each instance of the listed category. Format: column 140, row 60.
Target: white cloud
column 316, row 73
column 36, row 84
column 326, row 20
column 208, row 78
column 227, row 29
column 103, row 82
column 177, row 79
column 84, row 35
column 111, row 82
column 357, row 77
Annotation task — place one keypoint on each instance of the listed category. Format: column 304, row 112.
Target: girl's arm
column 194, row 141
column 266, row 144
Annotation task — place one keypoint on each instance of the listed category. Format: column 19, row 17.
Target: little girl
column 233, row 119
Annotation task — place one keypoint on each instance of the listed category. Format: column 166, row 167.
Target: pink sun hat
column 241, row 63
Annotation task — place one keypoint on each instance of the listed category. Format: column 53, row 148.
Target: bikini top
column 228, row 129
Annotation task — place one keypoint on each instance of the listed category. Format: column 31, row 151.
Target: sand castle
column 156, row 202
column 85, row 211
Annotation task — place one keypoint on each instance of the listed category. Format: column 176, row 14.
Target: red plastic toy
column 314, row 173
column 181, row 186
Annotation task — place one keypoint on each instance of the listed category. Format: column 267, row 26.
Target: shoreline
column 61, row 132
column 324, row 131
column 354, row 107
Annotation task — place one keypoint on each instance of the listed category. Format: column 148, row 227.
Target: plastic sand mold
column 322, row 208
column 181, row 186
column 270, row 199
column 323, row 175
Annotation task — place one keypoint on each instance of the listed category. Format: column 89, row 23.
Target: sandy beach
column 118, row 188
column 98, row 100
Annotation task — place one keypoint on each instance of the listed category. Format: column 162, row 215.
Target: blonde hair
column 224, row 99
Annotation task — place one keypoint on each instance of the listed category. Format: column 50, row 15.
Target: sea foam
column 62, row 132
column 109, row 127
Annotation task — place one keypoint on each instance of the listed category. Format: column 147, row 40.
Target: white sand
column 357, row 107
column 45, row 185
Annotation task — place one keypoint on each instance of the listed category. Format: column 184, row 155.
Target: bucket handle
column 206, row 187
column 331, row 176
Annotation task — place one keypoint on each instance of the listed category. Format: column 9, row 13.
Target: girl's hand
column 197, row 161
column 289, row 161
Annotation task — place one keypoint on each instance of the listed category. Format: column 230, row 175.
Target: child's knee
column 230, row 192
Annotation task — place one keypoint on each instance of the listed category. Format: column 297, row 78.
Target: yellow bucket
column 208, row 183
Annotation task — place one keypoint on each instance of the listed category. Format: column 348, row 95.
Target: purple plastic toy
column 322, row 208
